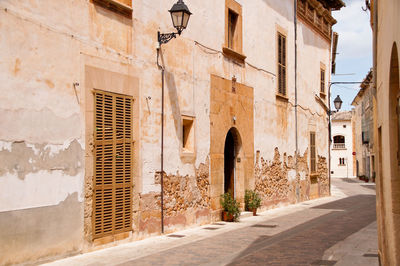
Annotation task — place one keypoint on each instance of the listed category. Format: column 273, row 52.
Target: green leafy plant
column 230, row 206
column 252, row 200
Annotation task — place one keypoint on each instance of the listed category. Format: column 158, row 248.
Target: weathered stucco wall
column 387, row 86
column 54, row 58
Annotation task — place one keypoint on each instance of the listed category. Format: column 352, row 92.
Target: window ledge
column 187, row 156
column 282, row 97
column 228, row 52
column 116, row 6
column 321, row 101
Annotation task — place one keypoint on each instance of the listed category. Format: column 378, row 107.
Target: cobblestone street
column 339, row 230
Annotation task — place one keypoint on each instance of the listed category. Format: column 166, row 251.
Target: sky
column 354, row 58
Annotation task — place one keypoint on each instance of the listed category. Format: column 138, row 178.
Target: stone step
column 246, row 214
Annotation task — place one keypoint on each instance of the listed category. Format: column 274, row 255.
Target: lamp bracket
column 165, row 37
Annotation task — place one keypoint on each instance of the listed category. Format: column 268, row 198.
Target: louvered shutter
column 281, row 64
column 113, row 153
column 313, row 152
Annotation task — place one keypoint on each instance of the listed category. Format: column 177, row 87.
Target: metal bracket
column 165, row 37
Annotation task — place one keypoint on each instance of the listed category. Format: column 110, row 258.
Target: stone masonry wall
column 277, row 182
column 186, row 202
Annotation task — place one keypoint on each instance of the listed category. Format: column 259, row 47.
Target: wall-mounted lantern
column 338, row 103
column 180, row 15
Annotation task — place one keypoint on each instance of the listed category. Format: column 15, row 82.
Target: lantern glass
column 176, row 19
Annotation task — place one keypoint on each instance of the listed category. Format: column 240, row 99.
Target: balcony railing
column 339, row 146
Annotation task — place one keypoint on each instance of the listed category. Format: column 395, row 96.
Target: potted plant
column 252, row 201
column 230, row 206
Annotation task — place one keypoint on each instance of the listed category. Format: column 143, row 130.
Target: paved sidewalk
column 338, row 230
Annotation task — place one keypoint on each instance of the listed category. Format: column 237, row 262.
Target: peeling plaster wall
column 42, row 146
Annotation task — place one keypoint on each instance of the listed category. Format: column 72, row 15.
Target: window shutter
column 313, row 152
column 281, row 64
column 113, row 153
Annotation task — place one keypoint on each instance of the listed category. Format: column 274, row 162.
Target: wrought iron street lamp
column 180, row 15
column 338, row 103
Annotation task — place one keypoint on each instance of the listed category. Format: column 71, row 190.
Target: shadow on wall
column 316, row 235
column 284, row 8
column 173, row 100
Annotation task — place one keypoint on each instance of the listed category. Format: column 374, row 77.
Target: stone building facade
column 385, row 15
column 246, row 100
column 342, row 145
column 364, row 130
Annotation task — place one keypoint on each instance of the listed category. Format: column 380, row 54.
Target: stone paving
column 338, row 230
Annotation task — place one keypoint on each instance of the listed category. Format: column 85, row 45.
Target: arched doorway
column 231, row 151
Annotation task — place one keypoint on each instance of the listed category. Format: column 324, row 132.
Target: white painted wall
column 342, row 171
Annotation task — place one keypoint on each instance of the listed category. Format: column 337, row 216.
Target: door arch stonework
column 230, row 110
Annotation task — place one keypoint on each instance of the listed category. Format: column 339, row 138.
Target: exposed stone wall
column 277, row 181
column 186, row 202
column 272, row 179
column 323, row 178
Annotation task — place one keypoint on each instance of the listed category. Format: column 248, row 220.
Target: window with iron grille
column 281, row 64
column 313, row 162
column 113, row 174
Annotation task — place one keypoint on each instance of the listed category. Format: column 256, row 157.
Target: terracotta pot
column 254, row 211
column 227, row 217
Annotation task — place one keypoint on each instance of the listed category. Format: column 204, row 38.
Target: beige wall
column 388, row 173
column 52, row 58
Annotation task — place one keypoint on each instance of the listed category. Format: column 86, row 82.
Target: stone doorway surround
column 231, row 107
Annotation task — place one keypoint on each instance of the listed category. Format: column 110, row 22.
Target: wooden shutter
column 322, row 81
column 313, row 153
column 113, row 153
column 281, row 64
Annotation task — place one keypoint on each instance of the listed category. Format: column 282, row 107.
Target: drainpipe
column 162, row 141
column 295, row 95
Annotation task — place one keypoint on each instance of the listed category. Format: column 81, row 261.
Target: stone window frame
column 188, row 154
column 280, row 31
column 234, row 51
column 121, row 84
column 123, row 7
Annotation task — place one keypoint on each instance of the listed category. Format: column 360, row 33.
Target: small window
column 342, row 161
column 322, row 81
column 187, row 134
column 232, row 22
column 281, row 64
column 313, row 162
column 233, row 45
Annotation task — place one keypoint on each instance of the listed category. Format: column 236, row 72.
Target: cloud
column 355, row 34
